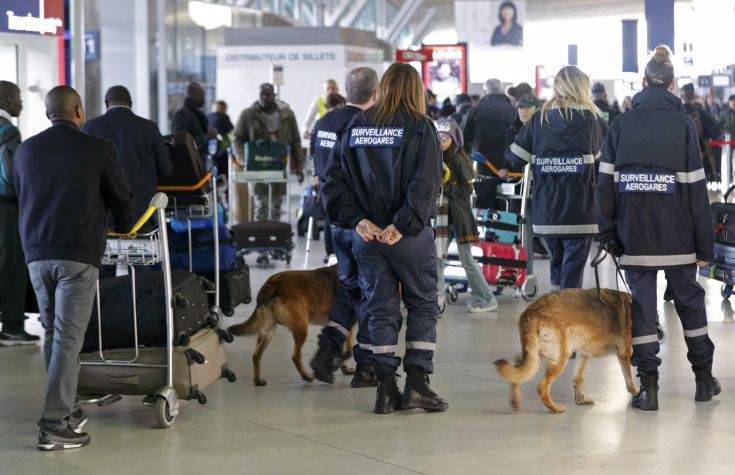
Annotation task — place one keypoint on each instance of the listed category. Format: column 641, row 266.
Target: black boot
column 364, row 377
column 323, row 364
column 388, row 397
column 668, row 294
column 707, row 385
column 647, row 397
column 418, row 394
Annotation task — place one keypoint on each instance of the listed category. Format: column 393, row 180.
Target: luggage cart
column 520, row 191
column 142, row 250
column 281, row 249
column 189, row 202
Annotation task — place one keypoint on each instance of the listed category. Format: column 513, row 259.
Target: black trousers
column 13, row 271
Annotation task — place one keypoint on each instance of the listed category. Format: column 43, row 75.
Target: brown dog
column 293, row 299
column 562, row 322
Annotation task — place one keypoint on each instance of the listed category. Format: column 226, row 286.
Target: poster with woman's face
column 488, row 25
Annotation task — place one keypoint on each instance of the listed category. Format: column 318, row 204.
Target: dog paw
column 633, row 390
column 584, row 401
column 558, row 409
column 307, row 378
column 347, row 371
column 260, row 382
column 515, row 405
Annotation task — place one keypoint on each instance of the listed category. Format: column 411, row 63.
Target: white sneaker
column 482, row 308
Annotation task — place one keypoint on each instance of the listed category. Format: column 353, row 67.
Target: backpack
column 708, row 161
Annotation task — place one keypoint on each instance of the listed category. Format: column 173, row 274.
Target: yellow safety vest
column 322, row 103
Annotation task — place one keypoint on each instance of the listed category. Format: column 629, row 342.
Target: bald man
column 66, row 181
column 190, row 118
column 13, row 272
column 318, row 106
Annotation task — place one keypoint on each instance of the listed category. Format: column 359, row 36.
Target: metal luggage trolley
column 513, row 191
column 270, row 178
column 142, row 250
column 187, row 202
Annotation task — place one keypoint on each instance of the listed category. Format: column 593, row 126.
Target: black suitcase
column 190, row 306
column 263, row 234
column 234, row 288
column 188, row 170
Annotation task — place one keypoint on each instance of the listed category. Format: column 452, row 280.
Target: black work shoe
column 668, row 294
column 364, row 377
column 707, row 385
column 61, row 439
column 647, row 397
column 323, row 364
column 17, row 339
column 418, row 394
column 388, row 396
column 78, row 420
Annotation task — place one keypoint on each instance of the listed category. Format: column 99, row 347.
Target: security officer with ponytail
column 362, row 89
column 654, row 212
column 384, row 184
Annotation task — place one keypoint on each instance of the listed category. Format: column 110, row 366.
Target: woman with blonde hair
column 383, row 183
column 563, row 142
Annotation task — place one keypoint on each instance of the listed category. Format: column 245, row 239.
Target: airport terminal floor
column 293, row 427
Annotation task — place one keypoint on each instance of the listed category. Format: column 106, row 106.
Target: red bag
column 503, row 264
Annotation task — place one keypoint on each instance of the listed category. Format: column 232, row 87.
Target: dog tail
column 526, row 367
column 261, row 315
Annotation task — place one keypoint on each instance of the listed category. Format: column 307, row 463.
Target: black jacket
column 191, row 119
column 485, row 128
column 710, row 127
column 607, row 112
column 388, row 174
column 563, row 152
column 66, row 180
column 653, row 194
column 140, row 149
column 327, row 134
column 221, row 122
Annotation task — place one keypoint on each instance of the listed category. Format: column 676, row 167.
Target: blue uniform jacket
column 326, row 136
column 563, row 152
column 652, row 187
column 389, row 174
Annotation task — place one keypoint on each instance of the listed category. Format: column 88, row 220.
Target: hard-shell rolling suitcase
column 500, row 226
column 262, row 234
column 503, row 264
column 190, row 308
column 234, row 288
column 195, row 366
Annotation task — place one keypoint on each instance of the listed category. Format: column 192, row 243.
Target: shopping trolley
column 131, row 250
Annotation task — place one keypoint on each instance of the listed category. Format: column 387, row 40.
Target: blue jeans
column 65, row 291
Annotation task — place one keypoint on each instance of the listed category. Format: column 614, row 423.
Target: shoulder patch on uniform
column 376, row 136
column 326, row 139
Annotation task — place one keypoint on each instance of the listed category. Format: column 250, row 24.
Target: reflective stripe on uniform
column 695, row 333
column 588, row 158
column 642, row 340
column 566, row 229
column 607, row 168
column 379, row 350
column 339, row 327
column 365, row 346
column 681, row 177
column 520, row 152
column 658, row 261
column 420, row 345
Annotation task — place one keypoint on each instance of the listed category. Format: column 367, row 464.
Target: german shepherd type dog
column 293, row 299
column 562, row 322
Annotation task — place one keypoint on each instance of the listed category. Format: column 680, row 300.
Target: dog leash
column 599, row 257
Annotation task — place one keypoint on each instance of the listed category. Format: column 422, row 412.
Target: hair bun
column 661, row 55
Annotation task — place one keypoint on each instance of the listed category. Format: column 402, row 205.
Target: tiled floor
column 292, row 427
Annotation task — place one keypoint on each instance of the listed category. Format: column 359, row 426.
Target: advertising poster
column 488, row 25
column 446, row 75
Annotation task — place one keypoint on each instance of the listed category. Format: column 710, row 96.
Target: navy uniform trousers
column 567, row 261
column 411, row 262
column 689, row 304
column 348, row 307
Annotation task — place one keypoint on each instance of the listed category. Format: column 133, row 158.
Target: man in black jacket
column 599, row 96
column 486, row 125
column 66, row 181
column 190, row 118
column 139, row 144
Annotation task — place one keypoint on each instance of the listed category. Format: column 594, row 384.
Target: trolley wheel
column 199, row 396
column 213, row 319
column 195, row 356
column 529, row 295
column 229, row 312
column 225, row 336
column 726, row 291
column 452, row 294
column 247, row 300
column 163, row 413
column 231, row 376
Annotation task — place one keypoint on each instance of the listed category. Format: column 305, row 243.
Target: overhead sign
column 409, row 55
column 41, row 17
column 446, row 73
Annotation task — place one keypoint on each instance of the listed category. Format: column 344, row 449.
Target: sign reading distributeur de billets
column 34, row 17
